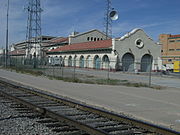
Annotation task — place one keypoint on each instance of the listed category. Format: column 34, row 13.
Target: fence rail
column 79, row 68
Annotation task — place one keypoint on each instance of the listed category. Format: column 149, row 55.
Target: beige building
column 170, row 49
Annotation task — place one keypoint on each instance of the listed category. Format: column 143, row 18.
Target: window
column 178, row 49
column 177, row 40
column 98, row 39
column 169, row 60
column 171, row 49
column 94, row 39
column 171, row 41
column 87, row 38
column 91, row 38
column 101, row 39
column 161, row 50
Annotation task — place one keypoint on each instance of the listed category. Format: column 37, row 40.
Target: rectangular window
column 177, row 40
column 177, row 49
column 171, row 49
column 171, row 41
column 169, row 60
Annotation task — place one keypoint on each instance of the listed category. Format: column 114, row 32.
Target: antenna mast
column 107, row 20
column 33, row 33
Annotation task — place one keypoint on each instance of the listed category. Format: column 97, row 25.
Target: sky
column 62, row 17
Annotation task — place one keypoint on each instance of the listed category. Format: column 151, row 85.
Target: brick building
column 170, row 49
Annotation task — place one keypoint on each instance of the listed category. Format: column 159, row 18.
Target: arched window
column 105, row 62
column 81, row 62
column 97, row 62
column 70, row 61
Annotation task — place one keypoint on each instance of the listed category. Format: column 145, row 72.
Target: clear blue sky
column 61, row 17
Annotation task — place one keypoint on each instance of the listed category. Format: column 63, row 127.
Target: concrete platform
column 157, row 106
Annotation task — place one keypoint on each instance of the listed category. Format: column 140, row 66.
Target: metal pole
column 74, row 72
column 6, row 56
column 108, row 69
column 150, row 71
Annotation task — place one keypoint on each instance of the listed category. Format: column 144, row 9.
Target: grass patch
column 87, row 79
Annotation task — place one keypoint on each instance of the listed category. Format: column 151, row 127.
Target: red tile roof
column 17, row 52
column 59, row 40
column 85, row 46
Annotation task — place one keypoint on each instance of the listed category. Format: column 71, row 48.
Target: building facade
column 170, row 49
column 133, row 52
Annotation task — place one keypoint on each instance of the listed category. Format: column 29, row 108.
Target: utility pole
column 7, row 33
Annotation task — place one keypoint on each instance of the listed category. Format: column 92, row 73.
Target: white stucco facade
column 134, row 52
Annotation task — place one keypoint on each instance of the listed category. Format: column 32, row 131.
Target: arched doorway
column 81, row 62
column 97, row 62
column 61, row 60
column 128, row 62
column 70, row 61
column 146, row 62
column 105, row 62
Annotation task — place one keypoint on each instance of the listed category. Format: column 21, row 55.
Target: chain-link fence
column 72, row 68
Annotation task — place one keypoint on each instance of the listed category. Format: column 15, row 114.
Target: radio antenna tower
column 33, row 33
column 107, row 20
column 110, row 15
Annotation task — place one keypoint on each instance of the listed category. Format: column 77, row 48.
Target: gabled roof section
column 59, row 40
column 102, row 44
column 87, row 33
column 131, row 33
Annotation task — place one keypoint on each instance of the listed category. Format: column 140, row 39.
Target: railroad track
column 86, row 120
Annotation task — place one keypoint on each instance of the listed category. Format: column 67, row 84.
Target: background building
column 170, row 49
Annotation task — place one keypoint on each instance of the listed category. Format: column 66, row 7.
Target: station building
column 133, row 52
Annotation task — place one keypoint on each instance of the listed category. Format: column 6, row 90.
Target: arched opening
column 61, row 60
column 97, row 62
column 70, row 61
column 88, row 61
column 105, row 62
column 128, row 62
column 81, row 62
column 146, row 62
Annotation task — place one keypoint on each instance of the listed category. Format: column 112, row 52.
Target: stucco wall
column 95, row 35
column 127, row 44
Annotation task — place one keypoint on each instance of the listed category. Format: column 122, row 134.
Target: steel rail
column 118, row 117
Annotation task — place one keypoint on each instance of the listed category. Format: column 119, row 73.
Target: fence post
column 62, row 68
column 74, row 72
column 53, row 71
column 108, row 70
column 150, row 71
